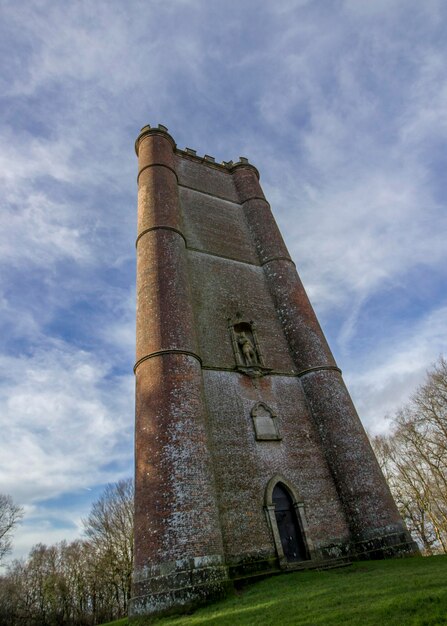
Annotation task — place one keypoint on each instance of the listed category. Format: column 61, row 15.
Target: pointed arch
column 288, row 523
column 279, row 478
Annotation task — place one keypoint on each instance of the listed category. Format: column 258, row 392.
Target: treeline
column 82, row 583
column 413, row 457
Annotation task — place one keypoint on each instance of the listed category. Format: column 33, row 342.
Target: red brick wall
column 208, row 249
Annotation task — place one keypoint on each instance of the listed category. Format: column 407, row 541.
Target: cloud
column 43, row 231
column 391, row 373
column 359, row 201
column 342, row 109
column 65, row 418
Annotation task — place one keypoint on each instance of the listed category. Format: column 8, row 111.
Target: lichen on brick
column 209, row 250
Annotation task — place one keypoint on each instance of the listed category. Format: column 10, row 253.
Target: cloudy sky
column 341, row 104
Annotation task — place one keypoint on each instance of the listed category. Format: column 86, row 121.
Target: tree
column 414, row 460
column 10, row 516
column 85, row 582
column 109, row 528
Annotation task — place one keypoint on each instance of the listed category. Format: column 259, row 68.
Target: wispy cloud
column 390, row 374
column 341, row 106
column 66, row 416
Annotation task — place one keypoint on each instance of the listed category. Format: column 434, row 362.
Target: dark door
column 289, row 530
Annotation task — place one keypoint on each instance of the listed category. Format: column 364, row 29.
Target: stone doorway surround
column 298, row 505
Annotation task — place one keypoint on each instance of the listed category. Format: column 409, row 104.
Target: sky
column 341, row 105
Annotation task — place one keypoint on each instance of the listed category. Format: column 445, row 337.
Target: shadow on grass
column 399, row 592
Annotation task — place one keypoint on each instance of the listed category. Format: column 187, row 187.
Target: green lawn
column 402, row 591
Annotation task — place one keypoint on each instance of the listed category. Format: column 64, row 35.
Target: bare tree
column 85, row 582
column 109, row 529
column 10, row 516
column 414, row 460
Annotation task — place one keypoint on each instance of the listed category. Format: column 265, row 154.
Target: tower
column 250, row 457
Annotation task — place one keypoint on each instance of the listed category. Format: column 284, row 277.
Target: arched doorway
column 288, row 532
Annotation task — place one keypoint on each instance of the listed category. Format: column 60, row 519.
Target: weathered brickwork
column 226, row 336
column 243, row 466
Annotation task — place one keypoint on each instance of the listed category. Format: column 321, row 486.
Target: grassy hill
column 409, row 591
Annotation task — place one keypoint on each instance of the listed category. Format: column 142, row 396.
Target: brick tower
column 250, row 456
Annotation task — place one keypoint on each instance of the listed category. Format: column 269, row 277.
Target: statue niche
column 248, row 355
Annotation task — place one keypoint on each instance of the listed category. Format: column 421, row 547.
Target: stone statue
column 247, row 348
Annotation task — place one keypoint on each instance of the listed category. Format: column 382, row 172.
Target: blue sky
column 342, row 106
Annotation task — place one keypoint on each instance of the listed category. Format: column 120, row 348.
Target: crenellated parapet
column 206, row 159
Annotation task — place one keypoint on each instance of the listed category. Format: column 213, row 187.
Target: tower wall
column 374, row 520
column 217, row 427
column 174, row 484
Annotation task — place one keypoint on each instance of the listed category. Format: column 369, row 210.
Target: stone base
column 389, row 546
column 177, row 587
column 180, row 586
column 248, row 570
column 251, row 567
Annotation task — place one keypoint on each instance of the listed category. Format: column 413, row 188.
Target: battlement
column 190, row 153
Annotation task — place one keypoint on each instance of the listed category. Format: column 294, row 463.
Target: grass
column 397, row 592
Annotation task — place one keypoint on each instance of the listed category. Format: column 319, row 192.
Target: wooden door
column 291, row 537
